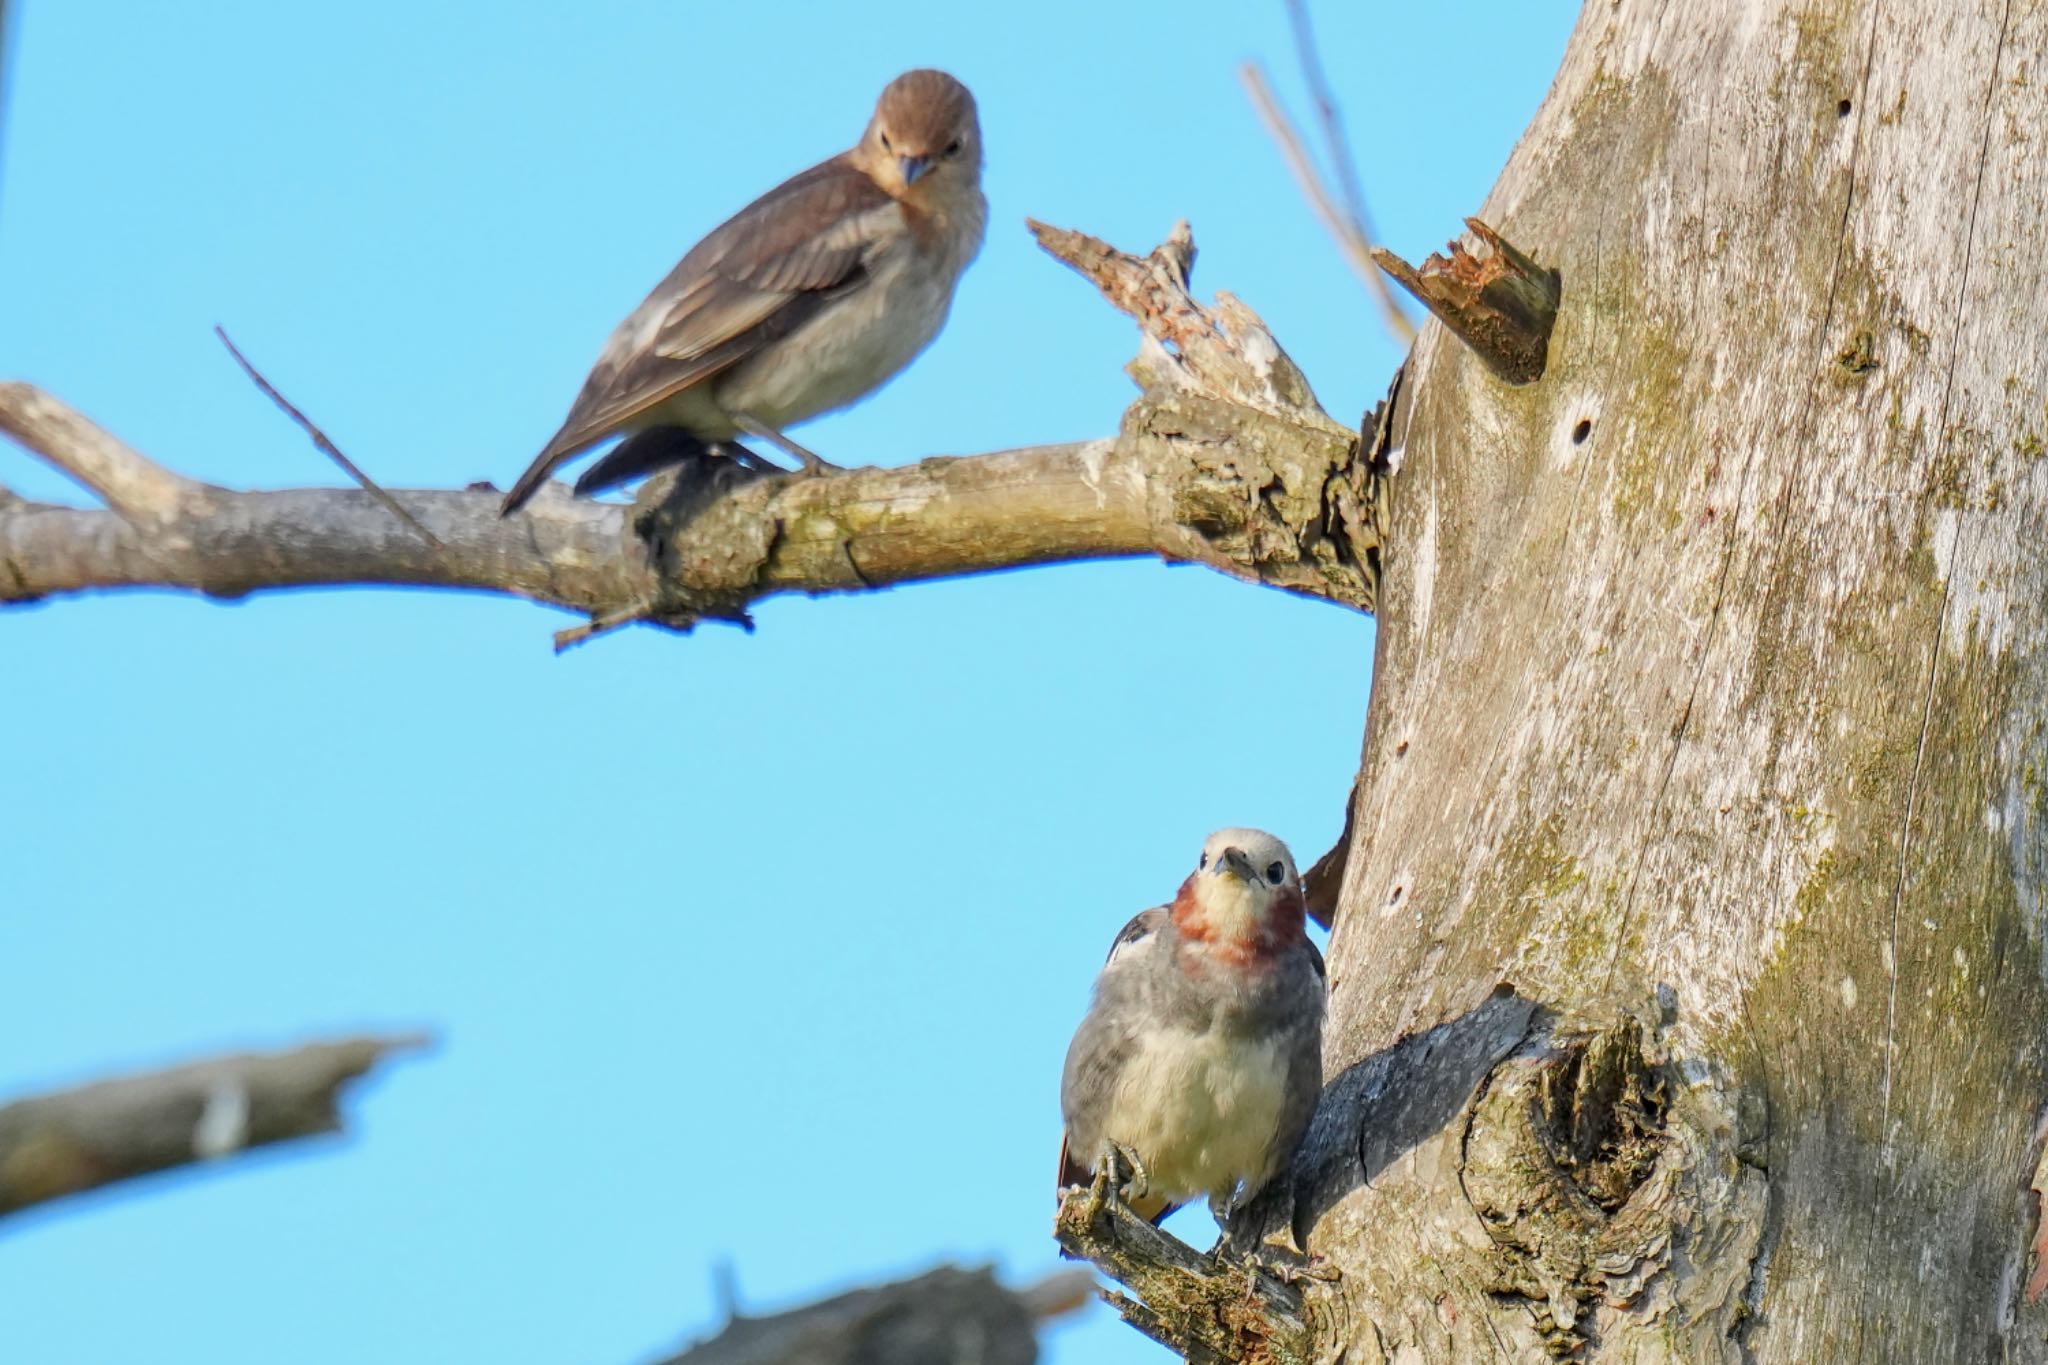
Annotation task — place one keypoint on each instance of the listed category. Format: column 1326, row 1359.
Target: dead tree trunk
column 1709, row 717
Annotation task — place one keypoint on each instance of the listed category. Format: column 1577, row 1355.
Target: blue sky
column 731, row 942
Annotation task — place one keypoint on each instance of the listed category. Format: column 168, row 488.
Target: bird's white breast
column 859, row 341
column 1200, row 1109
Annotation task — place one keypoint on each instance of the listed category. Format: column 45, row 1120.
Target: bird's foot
column 1119, row 1177
column 1240, row 1240
column 746, row 459
column 1316, row 1268
column 1235, row 1245
column 813, row 464
column 1283, row 1264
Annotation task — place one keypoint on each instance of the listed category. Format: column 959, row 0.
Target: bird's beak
column 1232, row 860
column 914, row 167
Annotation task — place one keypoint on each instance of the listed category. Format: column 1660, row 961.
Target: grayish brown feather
column 803, row 301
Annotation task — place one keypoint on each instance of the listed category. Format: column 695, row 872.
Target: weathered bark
column 62, row 1144
column 1709, row 715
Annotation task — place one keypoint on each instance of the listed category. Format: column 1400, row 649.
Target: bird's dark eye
column 1275, row 872
column 1202, row 864
column 885, row 142
column 953, row 147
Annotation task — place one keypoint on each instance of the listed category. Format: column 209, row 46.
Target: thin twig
column 603, row 624
column 1309, row 53
column 327, row 447
column 1350, row 234
column 1058, row 1294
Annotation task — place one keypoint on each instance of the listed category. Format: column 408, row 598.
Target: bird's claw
column 1317, row 1268
column 813, row 465
column 1119, row 1177
column 1284, row 1267
column 1139, row 1183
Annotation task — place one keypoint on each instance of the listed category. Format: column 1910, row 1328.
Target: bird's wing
column 1302, row 1090
column 1143, row 925
column 1103, row 1046
column 758, row 277
column 1100, row 1052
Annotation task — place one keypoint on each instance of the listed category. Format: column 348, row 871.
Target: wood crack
column 1941, row 434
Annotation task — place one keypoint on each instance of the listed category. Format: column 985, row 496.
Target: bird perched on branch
column 806, row 300
column 1200, row 1059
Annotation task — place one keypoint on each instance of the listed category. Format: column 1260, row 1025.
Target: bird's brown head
column 924, row 143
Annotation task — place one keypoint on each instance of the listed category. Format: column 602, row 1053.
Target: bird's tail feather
column 642, row 453
column 529, row 483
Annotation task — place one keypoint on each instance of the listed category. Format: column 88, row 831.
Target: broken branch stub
column 1496, row 300
column 1209, row 1308
column 1226, row 353
column 1243, row 469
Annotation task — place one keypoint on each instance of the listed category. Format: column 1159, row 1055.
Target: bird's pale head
column 924, row 142
column 1244, row 896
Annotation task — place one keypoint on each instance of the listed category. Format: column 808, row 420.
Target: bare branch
column 1224, row 460
column 320, row 438
column 56, row 1145
column 940, row 1317
column 246, row 542
column 139, row 489
column 602, row 624
column 1349, row 229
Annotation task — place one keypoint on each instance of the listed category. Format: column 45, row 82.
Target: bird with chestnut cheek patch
column 1199, row 1062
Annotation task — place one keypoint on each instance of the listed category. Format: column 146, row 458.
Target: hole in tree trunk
column 1606, row 1107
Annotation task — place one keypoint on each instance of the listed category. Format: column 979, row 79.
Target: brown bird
column 806, row 300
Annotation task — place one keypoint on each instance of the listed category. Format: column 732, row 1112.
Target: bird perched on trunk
column 806, row 300
column 1200, row 1059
